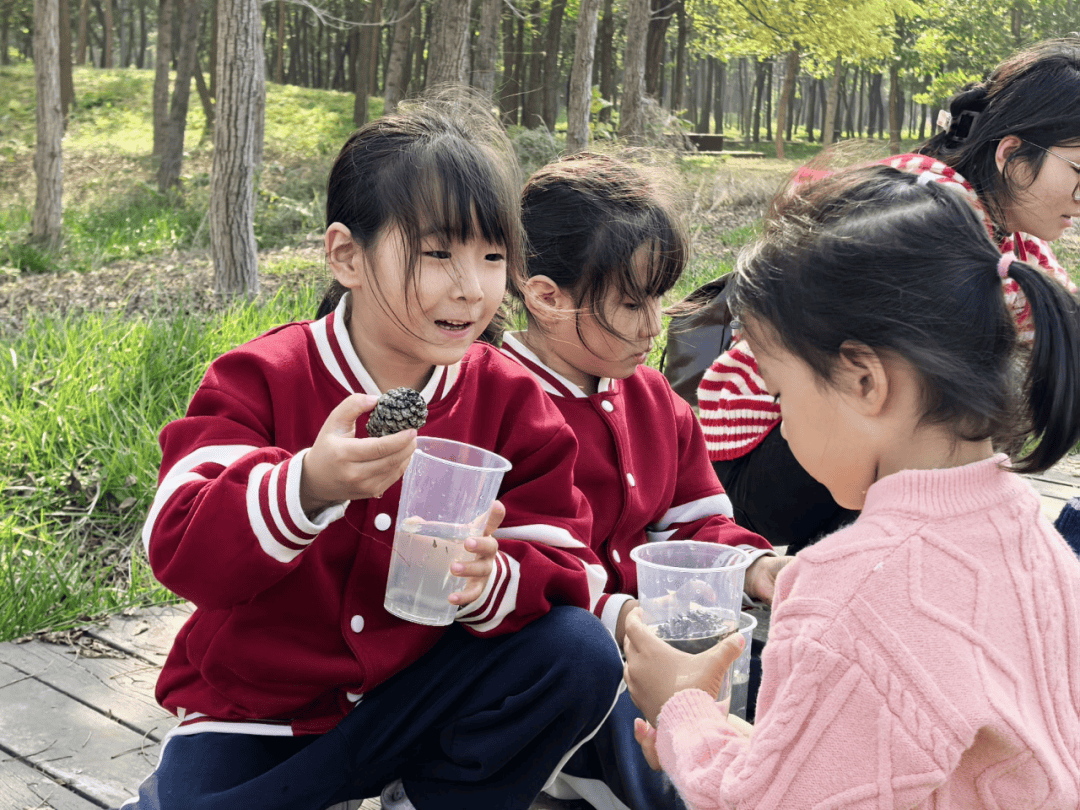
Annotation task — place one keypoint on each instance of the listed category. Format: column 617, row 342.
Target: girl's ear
column 347, row 259
column 1006, row 146
column 862, row 378
column 544, row 299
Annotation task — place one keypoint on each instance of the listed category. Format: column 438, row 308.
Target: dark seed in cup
column 696, row 630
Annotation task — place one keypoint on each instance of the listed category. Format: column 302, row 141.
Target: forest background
column 162, row 170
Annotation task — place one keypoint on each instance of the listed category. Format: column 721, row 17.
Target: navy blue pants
column 614, row 762
column 1068, row 523
column 475, row 723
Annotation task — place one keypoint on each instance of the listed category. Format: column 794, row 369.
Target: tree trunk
column 874, row 103
column 791, row 72
column 67, row 83
column 361, row 44
column 108, row 58
column 692, row 81
column 232, row 192
column 828, row 128
column 550, row 106
column 896, row 109
column 660, row 13
column 678, row 82
column 632, row 115
column 792, row 113
column 487, row 48
column 811, row 109
column 419, row 50
column 759, row 97
column 144, row 35
column 717, row 91
column 860, row 96
column 579, row 104
column 744, row 102
column 396, row 79
column 5, row 30
column 80, row 49
column 925, row 113
column 605, row 35
column 848, row 100
column 707, row 97
column 205, row 99
column 375, row 47
column 509, row 92
column 125, row 40
column 258, row 103
column 279, row 67
column 161, row 75
column 212, row 67
column 532, row 108
column 48, row 217
column 448, row 48
column 895, row 117
column 172, row 151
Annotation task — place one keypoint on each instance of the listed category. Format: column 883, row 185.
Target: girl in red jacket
column 604, row 246
column 274, row 515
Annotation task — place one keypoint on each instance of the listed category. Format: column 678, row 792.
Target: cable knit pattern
column 927, row 656
column 735, row 409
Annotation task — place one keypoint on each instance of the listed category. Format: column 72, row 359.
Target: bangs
column 456, row 194
column 658, row 257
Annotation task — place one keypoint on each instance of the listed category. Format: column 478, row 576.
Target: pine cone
column 398, row 409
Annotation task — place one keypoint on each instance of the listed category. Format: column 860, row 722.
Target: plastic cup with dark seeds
column 696, row 630
column 398, row 409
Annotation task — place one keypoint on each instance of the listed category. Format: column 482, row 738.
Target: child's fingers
column 477, row 568
column 342, row 420
column 469, row 594
column 723, row 655
column 495, row 517
column 483, row 547
column 645, row 735
column 477, row 571
column 393, row 449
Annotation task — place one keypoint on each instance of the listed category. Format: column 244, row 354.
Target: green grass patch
column 82, row 399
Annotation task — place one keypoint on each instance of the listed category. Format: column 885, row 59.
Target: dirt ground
column 184, row 281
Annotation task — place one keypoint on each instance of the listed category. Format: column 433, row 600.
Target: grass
column 81, row 401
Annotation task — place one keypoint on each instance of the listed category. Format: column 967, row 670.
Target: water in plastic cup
column 446, row 494
column 740, row 670
column 691, row 593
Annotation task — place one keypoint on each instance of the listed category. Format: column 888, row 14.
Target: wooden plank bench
column 79, row 726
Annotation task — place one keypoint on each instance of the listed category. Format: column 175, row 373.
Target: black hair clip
column 958, row 126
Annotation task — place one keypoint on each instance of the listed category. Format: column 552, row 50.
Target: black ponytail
column 1053, row 377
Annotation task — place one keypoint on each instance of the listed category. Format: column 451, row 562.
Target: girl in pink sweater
column 927, row 655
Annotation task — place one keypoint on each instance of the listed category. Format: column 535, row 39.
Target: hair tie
column 925, row 178
column 1004, row 263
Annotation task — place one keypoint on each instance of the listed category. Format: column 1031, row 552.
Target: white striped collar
column 551, row 381
column 337, row 354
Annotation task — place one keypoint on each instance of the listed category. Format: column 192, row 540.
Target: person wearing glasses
column 1011, row 145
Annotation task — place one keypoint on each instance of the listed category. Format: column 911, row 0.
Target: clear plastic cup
column 691, row 593
column 740, row 670
column 446, row 494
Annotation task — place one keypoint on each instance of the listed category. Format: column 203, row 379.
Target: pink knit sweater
column 926, row 656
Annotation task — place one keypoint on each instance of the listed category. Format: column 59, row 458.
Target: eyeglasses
column 1074, row 164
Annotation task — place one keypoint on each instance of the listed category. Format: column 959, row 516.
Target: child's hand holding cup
column 446, row 515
